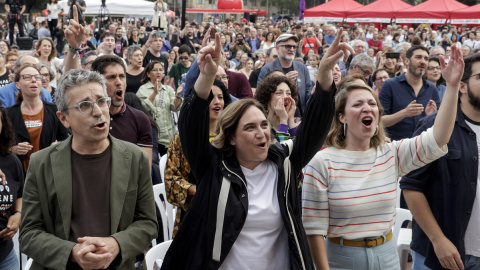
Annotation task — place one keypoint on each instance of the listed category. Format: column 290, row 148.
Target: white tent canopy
column 115, row 7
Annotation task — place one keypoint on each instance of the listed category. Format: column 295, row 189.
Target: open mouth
column 217, row 109
column 262, row 145
column 367, row 121
column 119, row 94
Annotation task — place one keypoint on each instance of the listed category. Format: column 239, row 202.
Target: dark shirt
column 149, row 57
column 80, row 13
column 13, row 170
column 119, row 45
column 15, row 5
column 449, row 184
column 4, row 78
column 254, row 78
column 395, row 95
column 131, row 125
column 91, row 196
column 134, row 82
column 190, row 41
column 140, row 41
column 238, row 85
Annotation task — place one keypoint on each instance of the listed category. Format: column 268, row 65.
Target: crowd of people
column 286, row 143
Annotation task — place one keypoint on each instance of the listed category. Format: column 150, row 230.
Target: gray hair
column 50, row 70
column 362, row 60
column 73, row 78
column 18, row 62
column 400, row 48
column 131, row 49
column 83, row 60
column 436, row 47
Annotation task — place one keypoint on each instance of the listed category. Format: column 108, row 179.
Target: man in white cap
column 297, row 72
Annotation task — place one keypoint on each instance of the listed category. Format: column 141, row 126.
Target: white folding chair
column 156, row 252
column 162, row 165
column 28, row 264
column 167, row 210
column 16, row 246
column 402, row 236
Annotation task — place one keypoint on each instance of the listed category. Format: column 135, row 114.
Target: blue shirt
column 254, row 45
column 449, row 184
column 329, row 39
column 441, row 91
column 8, row 92
column 396, row 94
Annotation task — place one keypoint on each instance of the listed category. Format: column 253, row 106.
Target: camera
column 393, row 55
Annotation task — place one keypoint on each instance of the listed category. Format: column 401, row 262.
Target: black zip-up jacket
column 219, row 208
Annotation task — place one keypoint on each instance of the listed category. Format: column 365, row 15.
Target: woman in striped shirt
column 349, row 189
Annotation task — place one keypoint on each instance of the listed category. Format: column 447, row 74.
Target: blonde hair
column 336, row 137
column 228, row 121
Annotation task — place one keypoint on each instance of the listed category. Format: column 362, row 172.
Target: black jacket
column 52, row 130
column 193, row 245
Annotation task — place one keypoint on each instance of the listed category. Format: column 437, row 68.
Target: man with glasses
column 361, row 64
column 94, row 187
column 296, row 72
column 444, row 195
column 87, row 59
column 179, row 70
column 408, row 97
column 9, row 91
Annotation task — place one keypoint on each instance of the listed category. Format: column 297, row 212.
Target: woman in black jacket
column 246, row 213
column 35, row 122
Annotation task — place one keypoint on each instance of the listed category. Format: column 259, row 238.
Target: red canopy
column 334, row 8
column 379, row 9
column 472, row 12
column 431, row 9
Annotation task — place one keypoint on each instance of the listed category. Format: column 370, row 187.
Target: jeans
column 471, row 262
column 10, row 262
column 381, row 257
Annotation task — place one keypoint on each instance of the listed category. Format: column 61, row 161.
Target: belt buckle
column 367, row 243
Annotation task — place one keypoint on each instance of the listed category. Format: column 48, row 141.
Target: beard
column 414, row 72
column 472, row 99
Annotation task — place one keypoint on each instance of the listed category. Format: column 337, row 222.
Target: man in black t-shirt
column 120, row 42
column 15, row 10
column 151, row 51
column 187, row 38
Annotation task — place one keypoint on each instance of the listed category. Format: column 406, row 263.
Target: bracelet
column 75, row 51
column 17, row 212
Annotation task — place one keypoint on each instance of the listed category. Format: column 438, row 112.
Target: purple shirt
column 131, row 125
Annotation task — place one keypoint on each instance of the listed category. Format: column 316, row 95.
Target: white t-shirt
column 263, row 242
column 472, row 235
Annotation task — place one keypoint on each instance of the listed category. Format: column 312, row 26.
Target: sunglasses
column 183, row 58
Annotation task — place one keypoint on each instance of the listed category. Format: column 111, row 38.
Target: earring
column 344, row 129
column 376, row 132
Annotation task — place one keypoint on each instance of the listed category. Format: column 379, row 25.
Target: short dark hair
column 184, row 49
column 469, row 61
column 104, row 61
column 410, row 51
column 106, row 34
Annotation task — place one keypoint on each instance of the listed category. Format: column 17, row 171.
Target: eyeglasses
column 183, row 58
column 28, row 77
column 224, row 77
column 384, row 78
column 366, row 73
column 46, row 75
column 86, row 107
column 433, row 68
column 289, row 47
column 474, row 75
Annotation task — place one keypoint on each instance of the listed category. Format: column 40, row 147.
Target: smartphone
column 160, row 34
column 393, row 55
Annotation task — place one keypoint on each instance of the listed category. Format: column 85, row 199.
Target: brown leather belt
column 365, row 243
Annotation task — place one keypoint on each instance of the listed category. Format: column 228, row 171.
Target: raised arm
column 208, row 60
column 74, row 34
column 443, row 126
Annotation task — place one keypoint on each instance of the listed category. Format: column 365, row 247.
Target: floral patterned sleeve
column 176, row 174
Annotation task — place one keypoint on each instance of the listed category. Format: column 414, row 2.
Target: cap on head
column 285, row 37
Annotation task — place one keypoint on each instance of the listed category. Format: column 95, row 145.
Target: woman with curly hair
column 271, row 93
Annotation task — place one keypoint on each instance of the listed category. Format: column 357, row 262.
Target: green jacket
column 47, row 205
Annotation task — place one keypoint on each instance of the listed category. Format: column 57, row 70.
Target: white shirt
column 472, row 235
column 263, row 242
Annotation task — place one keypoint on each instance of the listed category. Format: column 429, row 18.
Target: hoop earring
column 376, row 132
column 344, row 129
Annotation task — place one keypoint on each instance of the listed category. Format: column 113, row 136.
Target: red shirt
column 309, row 43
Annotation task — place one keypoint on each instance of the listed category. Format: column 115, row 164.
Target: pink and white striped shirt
column 352, row 194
